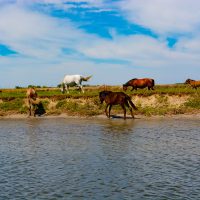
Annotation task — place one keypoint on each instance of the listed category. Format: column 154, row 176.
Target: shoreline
column 102, row 116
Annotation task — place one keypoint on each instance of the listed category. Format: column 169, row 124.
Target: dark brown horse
column 193, row 83
column 114, row 98
column 139, row 83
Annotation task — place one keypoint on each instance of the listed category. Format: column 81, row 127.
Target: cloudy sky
column 113, row 40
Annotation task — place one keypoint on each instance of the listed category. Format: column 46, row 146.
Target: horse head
column 125, row 87
column 188, row 81
column 31, row 93
column 62, row 89
column 103, row 94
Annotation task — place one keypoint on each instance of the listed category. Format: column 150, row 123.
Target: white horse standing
column 73, row 80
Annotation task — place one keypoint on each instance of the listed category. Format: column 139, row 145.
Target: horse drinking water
column 114, row 98
column 73, row 80
column 31, row 95
column 139, row 83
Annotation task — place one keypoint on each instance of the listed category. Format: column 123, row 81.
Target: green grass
column 193, row 102
column 14, row 105
column 176, row 89
column 88, row 104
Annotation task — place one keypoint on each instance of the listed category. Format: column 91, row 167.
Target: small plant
column 162, row 100
column 15, row 105
column 193, row 102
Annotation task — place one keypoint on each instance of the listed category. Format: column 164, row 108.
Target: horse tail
column 131, row 103
column 153, row 82
column 86, row 78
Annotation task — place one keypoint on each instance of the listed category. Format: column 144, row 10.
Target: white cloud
column 163, row 16
column 40, row 38
column 34, row 34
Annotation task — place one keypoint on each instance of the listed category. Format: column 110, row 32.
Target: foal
column 114, row 98
column 31, row 95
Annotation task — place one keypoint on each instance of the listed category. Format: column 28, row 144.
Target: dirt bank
column 89, row 106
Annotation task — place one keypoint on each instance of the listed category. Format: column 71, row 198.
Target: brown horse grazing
column 193, row 83
column 31, row 95
column 114, row 98
column 139, row 83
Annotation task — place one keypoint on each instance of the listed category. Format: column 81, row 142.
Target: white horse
column 73, row 80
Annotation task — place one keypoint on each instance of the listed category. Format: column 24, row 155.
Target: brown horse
column 114, row 98
column 139, row 83
column 193, row 83
column 31, row 95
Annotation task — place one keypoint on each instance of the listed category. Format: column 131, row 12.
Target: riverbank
column 163, row 101
column 120, row 116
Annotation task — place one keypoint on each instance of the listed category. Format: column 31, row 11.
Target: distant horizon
column 84, row 85
column 115, row 41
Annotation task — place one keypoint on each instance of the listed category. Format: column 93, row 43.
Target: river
column 152, row 159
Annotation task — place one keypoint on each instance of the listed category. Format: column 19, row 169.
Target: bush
column 16, row 105
column 193, row 102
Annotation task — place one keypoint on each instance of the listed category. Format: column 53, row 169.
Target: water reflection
column 99, row 159
column 118, row 126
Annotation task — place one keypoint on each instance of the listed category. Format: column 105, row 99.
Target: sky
column 112, row 40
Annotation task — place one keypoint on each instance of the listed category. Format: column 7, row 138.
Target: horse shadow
column 40, row 110
column 122, row 117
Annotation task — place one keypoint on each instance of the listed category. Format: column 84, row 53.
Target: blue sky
column 42, row 40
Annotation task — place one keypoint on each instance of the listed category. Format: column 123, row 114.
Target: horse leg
column 106, row 110
column 110, row 109
column 29, row 107
column 131, row 110
column 34, row 109
column 81, row 87
column 132, row 88
column 67, row 88
column 29, row 110
column 63, row 88
column 123, row 107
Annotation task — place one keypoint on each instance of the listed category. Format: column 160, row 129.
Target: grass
column 193, row 102
column 87, row 104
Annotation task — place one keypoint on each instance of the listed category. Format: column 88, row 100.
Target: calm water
column 100, row 159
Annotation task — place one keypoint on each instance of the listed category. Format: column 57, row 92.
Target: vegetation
column 149, row 102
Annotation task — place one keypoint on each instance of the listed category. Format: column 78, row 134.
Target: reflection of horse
column 193, row 83
column 31, row 95
column 114, row 98
column 139, row 83
column 73, row 80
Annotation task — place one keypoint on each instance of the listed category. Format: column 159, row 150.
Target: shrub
column 16, row 105
column 193, row 102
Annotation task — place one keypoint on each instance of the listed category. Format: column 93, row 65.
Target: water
column 100, row 159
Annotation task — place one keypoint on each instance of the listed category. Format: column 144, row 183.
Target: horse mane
column 189, row 80
column 127, row 83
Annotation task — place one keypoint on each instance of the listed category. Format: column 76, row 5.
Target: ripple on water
column 99, row 159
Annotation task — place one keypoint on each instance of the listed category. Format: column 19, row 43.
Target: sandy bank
column 120, row 116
